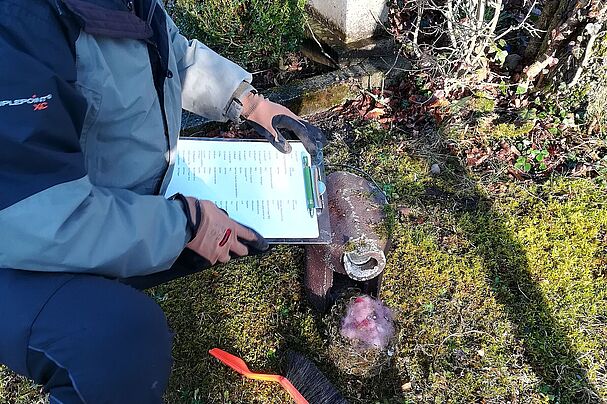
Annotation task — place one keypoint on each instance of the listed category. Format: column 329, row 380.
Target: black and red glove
column 216, row 237
column 271, row 120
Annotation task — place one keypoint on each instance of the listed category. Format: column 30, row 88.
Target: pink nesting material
column 369, row 322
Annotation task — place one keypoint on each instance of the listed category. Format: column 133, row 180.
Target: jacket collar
column 110, row 18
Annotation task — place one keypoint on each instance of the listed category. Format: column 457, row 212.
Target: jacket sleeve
column 52, row 218
column 208, row 80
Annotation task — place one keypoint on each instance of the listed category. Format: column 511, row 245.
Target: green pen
column 308, row 185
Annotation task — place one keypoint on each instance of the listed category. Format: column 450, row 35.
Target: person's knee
column 114, row 341
column 139, row 343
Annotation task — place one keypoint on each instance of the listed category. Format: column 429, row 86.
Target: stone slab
column 320, row 93
column 323, row 92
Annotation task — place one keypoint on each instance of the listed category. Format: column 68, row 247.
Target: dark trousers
column 86, row 338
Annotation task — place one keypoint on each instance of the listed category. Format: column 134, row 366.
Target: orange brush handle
column 293, row 392
column 238, row 365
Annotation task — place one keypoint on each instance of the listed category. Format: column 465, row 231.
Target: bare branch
column 449, row 16
column 595, row 32
column 523, row 24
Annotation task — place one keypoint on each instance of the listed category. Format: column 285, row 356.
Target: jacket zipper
column 164, row 123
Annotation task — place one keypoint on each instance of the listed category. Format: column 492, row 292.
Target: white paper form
column 255, row 183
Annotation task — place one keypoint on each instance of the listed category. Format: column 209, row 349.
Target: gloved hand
column 270, row 120
column 218, row 238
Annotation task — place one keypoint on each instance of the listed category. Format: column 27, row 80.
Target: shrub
column 252, row 33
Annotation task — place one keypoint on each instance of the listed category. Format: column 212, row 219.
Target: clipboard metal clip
column 318, row 176
column 319, row 188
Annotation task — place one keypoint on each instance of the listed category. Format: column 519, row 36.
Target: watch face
column 234, row 110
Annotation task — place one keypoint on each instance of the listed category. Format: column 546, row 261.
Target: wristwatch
column 234, row 108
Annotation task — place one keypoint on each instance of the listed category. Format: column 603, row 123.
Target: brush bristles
column 310, row 381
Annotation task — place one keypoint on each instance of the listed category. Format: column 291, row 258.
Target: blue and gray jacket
column 91, row 93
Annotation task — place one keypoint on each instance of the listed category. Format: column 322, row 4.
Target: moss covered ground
column 500, row 292
column 500, row 287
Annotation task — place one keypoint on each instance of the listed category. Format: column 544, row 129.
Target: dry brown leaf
column 375, row 113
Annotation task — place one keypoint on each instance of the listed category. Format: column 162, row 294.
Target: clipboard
column 266, row 190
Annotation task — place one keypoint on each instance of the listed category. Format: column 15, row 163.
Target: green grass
column 17, row 390
column 499, row 297
column 253, row 33
column 252, row 308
